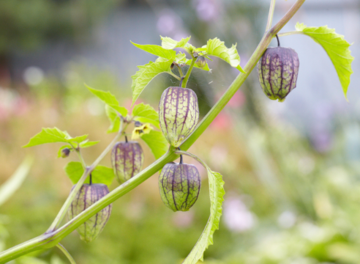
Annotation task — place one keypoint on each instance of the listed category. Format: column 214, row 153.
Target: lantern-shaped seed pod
column 178, row 114
column 88, row 195
column 127, row 159
column 179, row 186
column 278, row 71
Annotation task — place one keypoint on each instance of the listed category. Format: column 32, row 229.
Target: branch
column 271, row 14
column 53, row 238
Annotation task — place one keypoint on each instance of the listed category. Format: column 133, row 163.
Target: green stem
column 51, row 239
column 271, row 14
column 60, row 216
column 66, row 253
column 174, row 75
column 289, row 33
column 184, row 83
column 180, row 152
column 180, row 71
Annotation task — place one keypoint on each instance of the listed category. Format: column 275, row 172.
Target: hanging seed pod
column 127, row 159
column 178, row 114
column 278, row 71
column 201, row 61
column 88, row 195
column 179, row 186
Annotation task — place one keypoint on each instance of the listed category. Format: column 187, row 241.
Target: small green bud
column 179, row 186
column 87, row 196
column 201, row 61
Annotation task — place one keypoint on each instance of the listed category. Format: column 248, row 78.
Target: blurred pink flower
column 237, row 217
column 207, row 10
column 183, row 219
column 222, row 121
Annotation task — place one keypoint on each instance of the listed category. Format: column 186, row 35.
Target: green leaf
column 109, row 99
column 146, row 114
column 156, row 142
column 336, row 47
column 216, row 47
column 217, row 192
column 169, row 43
column 157, row 50
column 53, row 135
column 100, row 174
column 8, row 188
column 114, row 119
column 146, row 73
column 87, row 144
column 78, row 139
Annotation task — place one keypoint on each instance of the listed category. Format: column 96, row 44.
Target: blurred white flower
column 33, row 75
column 237, row 217
column 287, row 219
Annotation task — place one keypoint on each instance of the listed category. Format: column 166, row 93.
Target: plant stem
column 184, row 83
column 289, row 33
column 174, row 75
column 66, row 253
column 180, row 71
column 51, row 239
column 271, row 14
column 60, row 216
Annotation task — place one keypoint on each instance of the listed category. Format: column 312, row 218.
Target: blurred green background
column 291, row 169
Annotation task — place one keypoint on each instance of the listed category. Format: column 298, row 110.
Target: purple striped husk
column 179, row 186
column 127, row 159
column 88, row 195
column 178, row 114
column 278, row 70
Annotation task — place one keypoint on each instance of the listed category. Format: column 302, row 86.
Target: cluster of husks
column 178, row 114
column 88, row 195
column 127, row 159
column 278, row 70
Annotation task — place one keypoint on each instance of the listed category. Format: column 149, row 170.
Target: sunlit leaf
column 169, row 43
column 156, row 142
column 109, row 99
column 217, row 192
column 157, row 50
column 53, row 135
column 100, row 174
column 337, row 49
column 114, row 119
column 146, row 73
column 216, row 47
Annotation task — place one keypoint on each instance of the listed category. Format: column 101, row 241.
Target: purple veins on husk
column 127, row 159
column 179, row 186
column 178, row 114
column 87, row 196
column 278, row 70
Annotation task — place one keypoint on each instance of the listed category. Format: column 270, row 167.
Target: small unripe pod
column 201, row 61
column 88, row 195
column 278, row 71
column 179, row 186
column 127, row 159
column 65, row 152
column 178, row 114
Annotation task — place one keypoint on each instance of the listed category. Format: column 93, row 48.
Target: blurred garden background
column 291, row 170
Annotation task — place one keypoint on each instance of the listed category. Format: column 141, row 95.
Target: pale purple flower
column 237, row 216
